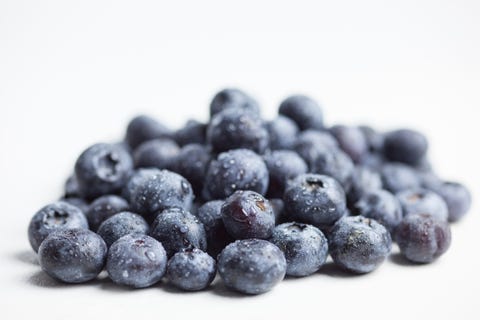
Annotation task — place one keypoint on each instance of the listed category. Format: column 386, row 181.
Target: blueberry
column 191, row 270
column 55, row 216
column 157, row 190
column 137, row 179
column 336, row 164
column 457, row 197
column 315, row 199
column 120, row 225
column 282, row 166
column 397, row 177
column 158, row 153
column 382, row 206
column 359, row 244
column 237, row 128
column 305, row 247
column 306, row 112
column 143, row 128
column 363, row 181
column 310, row 143
column 373, row 138
column 103, row 208
column 406, row 146
column 80, row 203
column 278, row 207
column 72, row 255
column 351, row 140
column 210, row 215
column 192, row 163
column 282, row 133
column 193, row 132
column 103, row 169
column 429, row 180
column 251, row 266
column 239, row 169
column 177, row 230
column 136, row 260
column 247, row 214
column 71, row 188
column 423, row 201
column 233, row 99
column 422, row 238
column 374, row 161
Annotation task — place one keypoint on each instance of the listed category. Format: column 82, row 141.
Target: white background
column 73, row 72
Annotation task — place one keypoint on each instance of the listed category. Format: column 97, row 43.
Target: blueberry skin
column 420, row 200
column 397, row 177
column 306, row 112
column 137, row 179
column 177, row 230
column 72, row 255
column 359, row 244
column 231, row 98
column 373, row 138
column 457, row 197
column 158, row 153
column 282, row 132
column 103, row 169
column 315, row 199
column 305, row 247
column 71, row 188
column 120, row 225
column 210, row 215
column 336, row 164
column 422, row 238
column 382, row 206
column 192, row 163
column 193, row 132
column 351, row 140
column 136, row 260
column 158, row 190
column 191, row 270
column 363, row 181
column 310, row 143
column 143, row 128
column 55, row 216
column 234, row 170
column 247, row 214
column 80, row 203
column 406, row 146
column 236, row 128
column 282, row 166
column 251, row 266
column 103, row 208
column 278, row 207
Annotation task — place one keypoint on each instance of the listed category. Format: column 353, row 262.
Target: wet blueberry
column 210, row 215
column 306, row 112
column 143, row 128
column 423, row 201
column 72, row 255
column 55, row 216
column 282, row 166
column 103, row 169
column 120, row 225
column 282, row 133
column 305, row 247
column 158, row 153
column 136, row 260
column 359, row 244
column 231, row 98
column 247, row 214
column 406, row 146
column 103, row 208
column 191, row 270
column 234, row 170
column 251, row 266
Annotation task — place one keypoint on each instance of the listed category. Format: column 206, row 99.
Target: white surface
column 73, row 73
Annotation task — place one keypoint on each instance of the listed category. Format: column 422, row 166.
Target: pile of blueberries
column 256, row 200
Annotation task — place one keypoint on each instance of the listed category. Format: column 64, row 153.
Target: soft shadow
column 220, row 290
column 108, row 285
column 41, row 279
column 332, row 270
column 27, row 256
column 400, row 260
